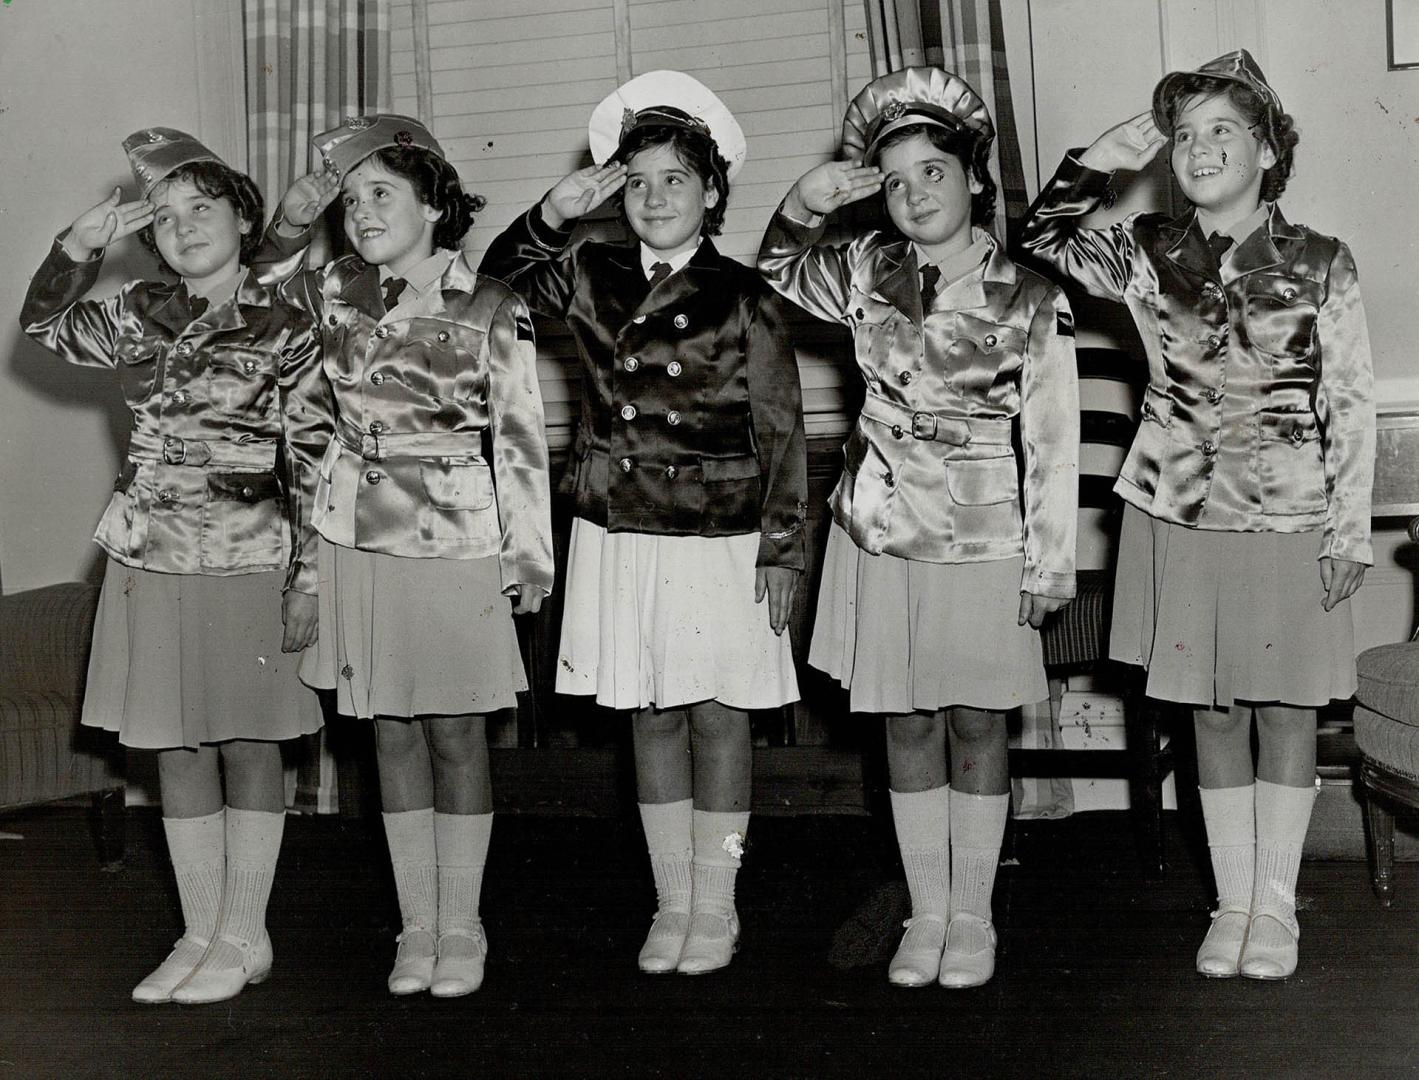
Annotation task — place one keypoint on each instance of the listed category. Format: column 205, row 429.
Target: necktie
column 393, row 289
column 930, row 278
column 1219, row 243
column 198, row 306
column 658, row 273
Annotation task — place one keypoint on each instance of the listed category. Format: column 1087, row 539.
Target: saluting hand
column 105, row 223
column 582, row 192
column 833, row 184
column 306, row 199
column 1130, row 145
column 778, row 583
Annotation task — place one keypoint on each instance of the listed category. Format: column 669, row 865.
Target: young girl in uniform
column 934, row 582
column 202, row 535
column 1248, row 483
column 423, row 355
column 689, row 475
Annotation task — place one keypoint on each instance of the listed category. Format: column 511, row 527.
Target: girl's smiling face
column 666, row 200
column 198, row 235
column 385, row 220
column 1217, row 159
column 928, row 195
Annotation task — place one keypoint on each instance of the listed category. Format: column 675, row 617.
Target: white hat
column 671, row 98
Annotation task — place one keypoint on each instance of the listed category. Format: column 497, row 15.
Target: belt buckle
column 174, row 450
column 921, row 429
column 371, row 447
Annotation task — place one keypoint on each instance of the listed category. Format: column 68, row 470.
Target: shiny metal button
column 333, row 320
column 673, row 368
column 443, row 337
column 1213, row 340
column 167, row 495
column 376, row 427
column 897, row 431
column 1148, row 409
column 180, row 397
column 249, row 367
column 989, row 341
column 1298, row 436
column 381, row 331
column 631, row 363
column 638, row 319
column 373, row 477
column 377, row 377
column 1212, row 290
column 671, row 472
column 248, row 491
column 904, row 378
column 681, row 322
column 859, row 313
column 672, row 418
column 347, row 672
column 1288, row 294
column 625, row 464
column 1213, row 395
column 184, row 348
column 1209, row 447
column 628, row 412
column 889, row 479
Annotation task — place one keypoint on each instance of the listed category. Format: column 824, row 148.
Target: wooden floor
column 1095, row 969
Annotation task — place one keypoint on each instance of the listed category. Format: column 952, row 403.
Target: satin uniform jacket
column 1259, row 413
column 691, row 415
column 413, row 391
column 930, row 471
column 212, row 399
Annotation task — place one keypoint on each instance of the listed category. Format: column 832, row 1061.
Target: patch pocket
column 1281, row 314
column 241, row 382
column 721, row 470
column 1292, row 464
column 1157, row 408
column 457, row 485
column 137, row 365
column 243, row 521
column 994, row 342
column 446, row 354
column 982, row 481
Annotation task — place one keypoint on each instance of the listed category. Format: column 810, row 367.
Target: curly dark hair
column 1268, row 124
column 437, row 185
column 218, row 181
column 972, row 151
column 698, row 153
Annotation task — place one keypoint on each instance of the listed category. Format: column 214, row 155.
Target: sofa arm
column 44, row 638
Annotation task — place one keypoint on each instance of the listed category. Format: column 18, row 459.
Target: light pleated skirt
column 179, row 660
column 403, row 637
column 669, row 621
column 1220, row 617
column 904, row 636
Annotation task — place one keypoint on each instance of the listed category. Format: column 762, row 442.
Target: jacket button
column 443, row 337
column 673, row 368
column 897, row 431
column 638, row 319
column 333, row 320
column 377, row 377
column 889, row 479
column 373, row 477
column 166, row 495
column 1297, row 436
column 859, row 313
column 672, row 418
column 184, row 348
column 681, row 322
column 904, row 378
column 180, row 397
column 381, row 331
column 989, row 341
column 247, row 492
column 376, row 427
column 1214, row 395
column 1209, row 447
column 628, row 412
column 671, row 472
column 1288, row 294
column 625, row 464
column 631, row 363
column 249, row 367
column 1214, row 341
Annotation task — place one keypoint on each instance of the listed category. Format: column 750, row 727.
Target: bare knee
column 395, row 740
column 250, row 754
column 716, row 723
column 1219, row 723
column 977, row 726
column 911, row 733
column 1284, row 720
column 456, row 740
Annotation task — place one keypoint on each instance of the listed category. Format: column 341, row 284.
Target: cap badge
column 893, row 111
column 404, row 139
column 628, row 121
column 155, row 136
column 358, row 123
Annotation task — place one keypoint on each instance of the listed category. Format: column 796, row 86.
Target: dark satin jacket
column 413, row 392
column 691, row 414
column 1259, row 414
column 930, row 472
column 211, row 400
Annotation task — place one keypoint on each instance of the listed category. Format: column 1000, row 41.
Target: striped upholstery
column 44, row 648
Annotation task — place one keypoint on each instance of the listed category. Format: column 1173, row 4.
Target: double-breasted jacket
column 1259, row 412
column 212, row 401
column 691, row 413
column 413, row 392
column 931, row 472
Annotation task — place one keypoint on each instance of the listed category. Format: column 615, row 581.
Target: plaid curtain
column 965, row 37
column 309, row 64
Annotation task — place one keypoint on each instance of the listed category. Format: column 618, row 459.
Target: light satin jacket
column 930, row 470
column 1259, row 413
column 211, row 399
column 691, row 412
column 414, row 390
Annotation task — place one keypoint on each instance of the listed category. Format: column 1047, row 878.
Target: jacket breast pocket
column 876, row 326
column 446, row 355
column 995, row 345
column 1281, row 314
column 986, row 497
column 241, row 383
column 136, row 360
column 457, row 485
column 1291, row 465
column 243, row 521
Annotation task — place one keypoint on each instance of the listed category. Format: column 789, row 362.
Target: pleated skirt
column 904, row 636
column 1221, row 617
column 180, row 660
column 402, row 637
column 669, row 621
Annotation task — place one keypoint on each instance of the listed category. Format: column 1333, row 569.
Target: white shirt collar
column 677, row 262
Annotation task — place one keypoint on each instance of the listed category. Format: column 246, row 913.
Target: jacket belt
column 258, row 455
column 378, row 445
column 936, row 427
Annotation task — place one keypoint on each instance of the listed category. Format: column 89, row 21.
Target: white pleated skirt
column 669, row 621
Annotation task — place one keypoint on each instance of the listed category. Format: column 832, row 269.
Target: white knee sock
column 253, row 847
column 719, row 843
column 670, row 839
column 461, row 842
column 1283, row 814
column 1230, row 817
column 198, row 850
column 414, row 857
column 923, row 824
column 977, row 830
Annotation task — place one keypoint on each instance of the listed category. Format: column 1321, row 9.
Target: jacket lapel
column 1187, row 247
column 1260, row 250
column 698, row 273
column 898, row 280
column 361, row 291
